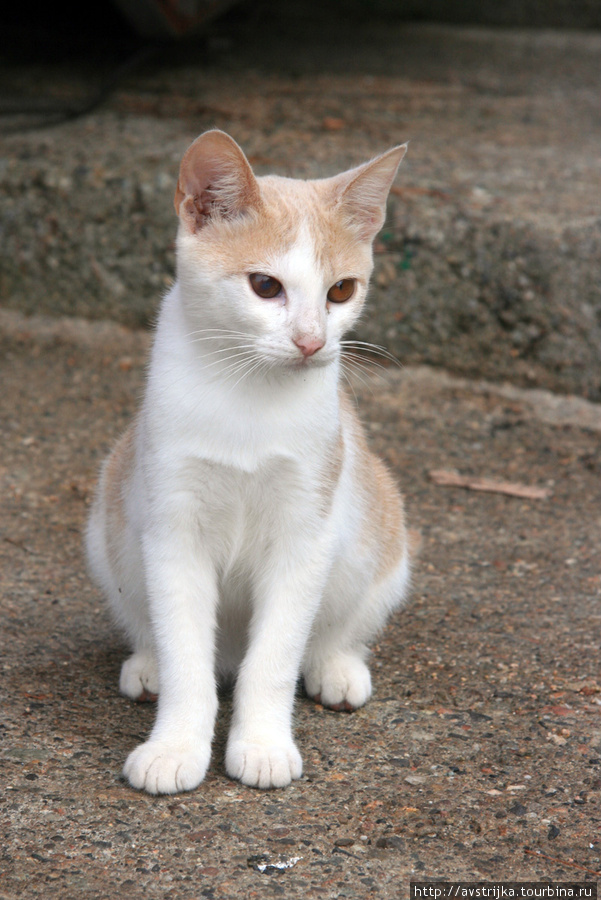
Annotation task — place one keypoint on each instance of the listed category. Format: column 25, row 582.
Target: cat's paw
column 340, row 683
column 263, row 765
column 161, row 768
column 139, row 677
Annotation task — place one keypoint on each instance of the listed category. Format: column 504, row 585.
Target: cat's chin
column 308, row 364
column 292, row 366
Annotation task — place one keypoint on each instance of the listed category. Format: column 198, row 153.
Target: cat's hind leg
column 115, row 563
column 339, row 680
column 139, row 679
column 124, row 588
column 335, row 672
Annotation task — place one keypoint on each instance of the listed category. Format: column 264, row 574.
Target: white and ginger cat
column 241, row 526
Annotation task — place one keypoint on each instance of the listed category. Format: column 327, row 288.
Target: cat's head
column 277, row 268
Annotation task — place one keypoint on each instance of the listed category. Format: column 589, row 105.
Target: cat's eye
column 342, row 291
column 265, row 286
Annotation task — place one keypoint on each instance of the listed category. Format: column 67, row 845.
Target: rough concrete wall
column 491, row 259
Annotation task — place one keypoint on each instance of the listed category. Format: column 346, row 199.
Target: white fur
column 230, row 562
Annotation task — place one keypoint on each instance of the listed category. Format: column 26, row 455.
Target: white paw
column 263, row 766
column 341, row 682
column 162, row 768
column 139, row 677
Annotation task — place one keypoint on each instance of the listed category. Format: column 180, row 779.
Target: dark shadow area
column 99, row 30
column 52, row 33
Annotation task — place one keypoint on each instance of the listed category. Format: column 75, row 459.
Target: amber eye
column 342, row 290
column 265, row 286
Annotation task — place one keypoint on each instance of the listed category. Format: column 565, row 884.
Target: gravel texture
column 479, row 756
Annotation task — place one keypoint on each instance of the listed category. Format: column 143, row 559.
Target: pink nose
column 308, row 346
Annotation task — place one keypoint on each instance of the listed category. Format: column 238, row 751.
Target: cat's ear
column 215, row 181
column 362, row 192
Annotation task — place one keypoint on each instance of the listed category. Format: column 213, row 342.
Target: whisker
column 242, row 356
column 241, row 369
column 352, row 368
column 350, row 384
column 228, row 349
column 368, row 365
column 373, row 349
column 237, row 356
column 195, row 337
column 360, row 374
column 357, row 373
column 215, row 333
column 244, row 375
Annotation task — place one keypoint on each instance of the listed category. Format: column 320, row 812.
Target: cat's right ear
column 215, row 181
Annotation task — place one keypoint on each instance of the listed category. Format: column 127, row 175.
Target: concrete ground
column 479, row 756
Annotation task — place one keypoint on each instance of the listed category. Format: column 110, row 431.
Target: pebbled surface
column 478, row 756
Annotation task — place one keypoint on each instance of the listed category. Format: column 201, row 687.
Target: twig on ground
column 448, row 478
column 562, row 862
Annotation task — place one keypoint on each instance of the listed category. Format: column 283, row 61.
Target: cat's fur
column 242, row 526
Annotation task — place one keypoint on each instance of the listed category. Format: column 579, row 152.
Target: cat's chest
column 235, row 487
column 245, row 452
column 239, row 511
column 252, row 432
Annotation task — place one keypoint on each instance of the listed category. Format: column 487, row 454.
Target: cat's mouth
column 303, row 363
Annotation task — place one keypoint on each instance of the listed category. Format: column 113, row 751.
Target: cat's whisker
column 367, row 367
column 237, row 357
column 373, row 349
column 350, row 384
column 353, row 370
column 229, row 349
column 370, row 366
column 248, row 354
column 233, row 370
column 350, row 370
column 230, row 372
column 244, row 375
column 200, row 340
column 216, row 333
column 372, row 360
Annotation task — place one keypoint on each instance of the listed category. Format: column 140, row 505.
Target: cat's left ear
column 362, row 192
column 215, row 181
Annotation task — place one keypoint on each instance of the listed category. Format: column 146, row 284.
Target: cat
column 241, row 527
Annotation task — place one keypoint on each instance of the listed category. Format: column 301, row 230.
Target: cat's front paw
column 263, row 766
column 340, row 683
column 161, row 768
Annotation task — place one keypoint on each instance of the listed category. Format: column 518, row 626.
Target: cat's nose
column 309, row 345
